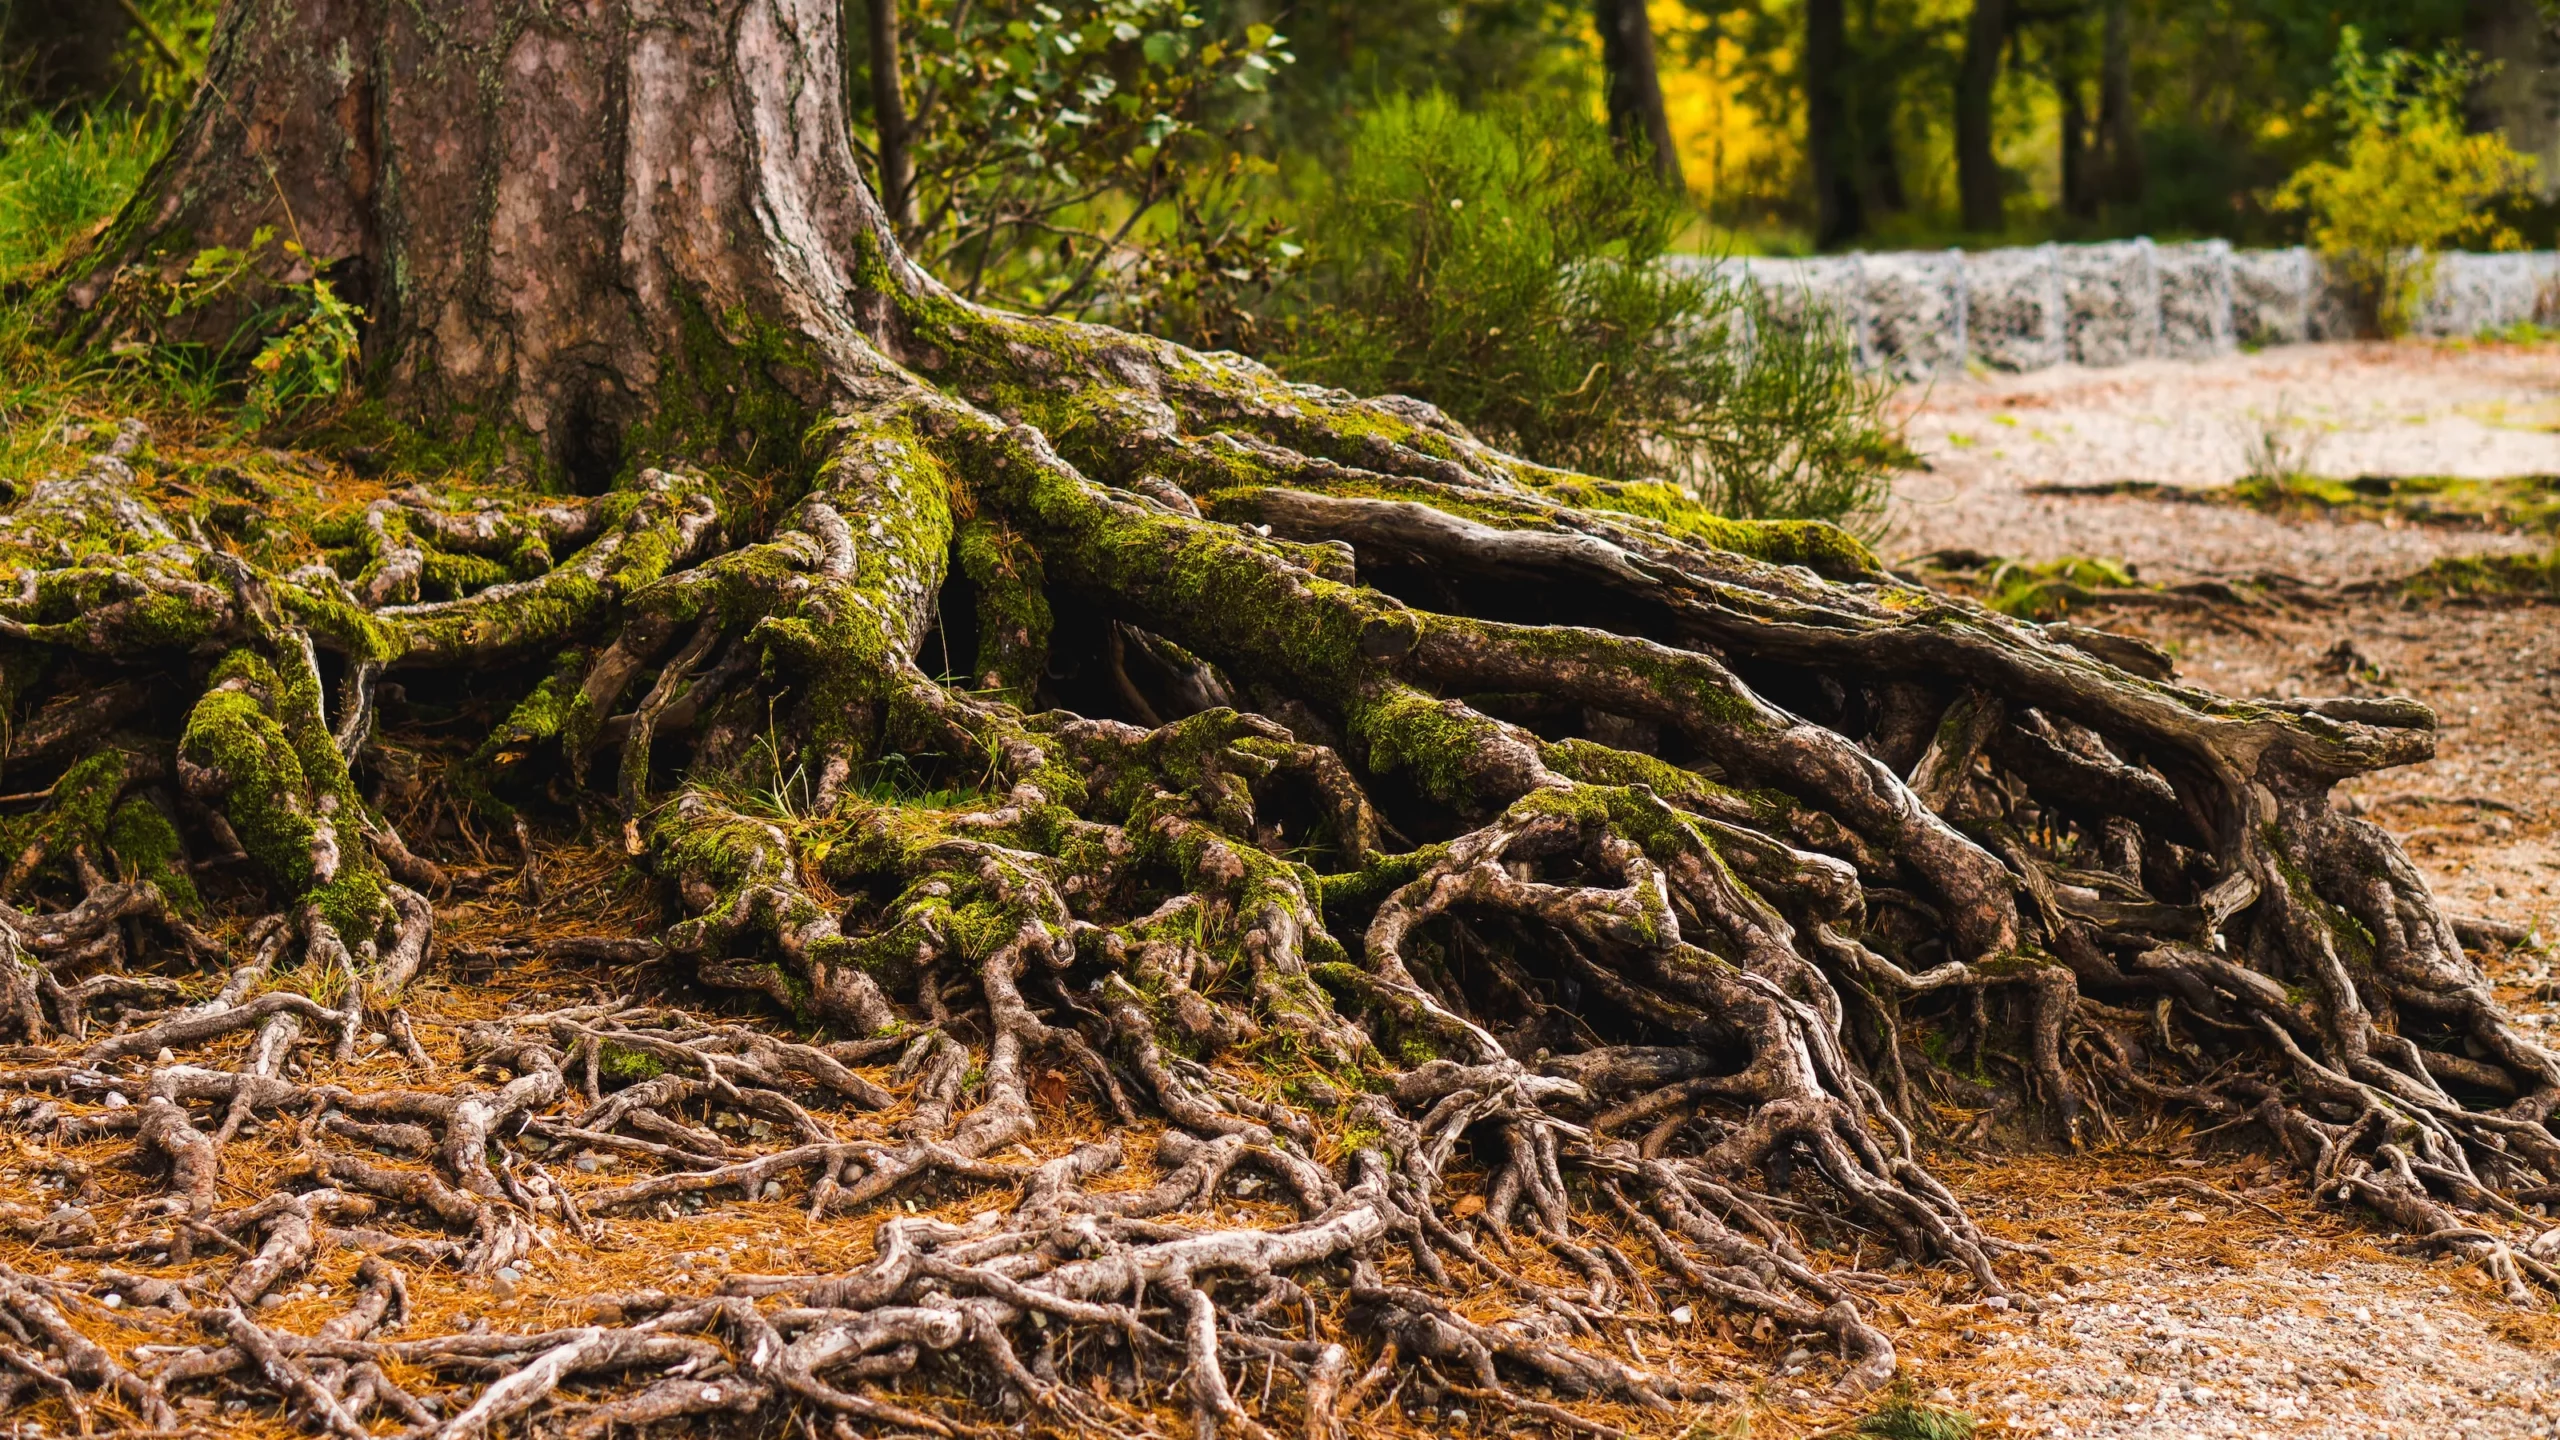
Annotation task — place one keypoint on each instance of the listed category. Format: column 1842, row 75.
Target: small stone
column 1683, row 1315
column 166, row 1056
column 2193, row 1217
column 1943, row 1395
column 270, row 1300
column 376, row 1037
column 112, row 1301
column 1995, row 1302
column 773, row 1189
column 586, row 1162
column 1797, row 1356
column 503, row 1284
column 116, row 1100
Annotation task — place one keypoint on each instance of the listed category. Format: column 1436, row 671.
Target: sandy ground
column 2237, row 1309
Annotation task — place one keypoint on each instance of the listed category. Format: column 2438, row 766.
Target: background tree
column 1633, row 89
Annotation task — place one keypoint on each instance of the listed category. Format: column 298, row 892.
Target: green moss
column 259, row 733
column 148, row 847
column 1013, row 613
column 626, row 1066
column 1819, row 546
column 261, row 780
column 1428, row 740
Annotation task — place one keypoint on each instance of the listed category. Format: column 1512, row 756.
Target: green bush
column 2410, row 180
column 1504, row 265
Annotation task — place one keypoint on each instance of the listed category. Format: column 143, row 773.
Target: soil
column 2220, row 1302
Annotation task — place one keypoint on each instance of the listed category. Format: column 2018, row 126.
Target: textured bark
column 1482, row 864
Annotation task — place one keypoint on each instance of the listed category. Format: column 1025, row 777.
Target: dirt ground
column 2217, row 1302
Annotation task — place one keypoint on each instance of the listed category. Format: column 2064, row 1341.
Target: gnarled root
column 1500, row 884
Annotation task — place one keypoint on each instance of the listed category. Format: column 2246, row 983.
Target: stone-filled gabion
column 1916, row 320
column 2111, row 301
column 1915, row 314
column 2195, row 286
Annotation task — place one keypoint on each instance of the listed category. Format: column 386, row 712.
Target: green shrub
column 1504, row 265
column 2409, row 182
column 1045, row 137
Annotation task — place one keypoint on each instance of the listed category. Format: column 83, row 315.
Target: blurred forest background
column 1462, row 199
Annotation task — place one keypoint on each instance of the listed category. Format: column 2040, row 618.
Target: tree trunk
column 1830, row 143
column 2079, row 188
column 2119, row 125
column 1978, row 177
column 61, row 52
column 2518, row 93
column 1240, row 814
column 889, row 114
column 1634, row 90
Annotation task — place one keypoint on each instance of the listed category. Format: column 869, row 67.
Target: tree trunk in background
column 2079, row 199
column 1636, row 115
column 889, row 116
column 1839, row 212
column 1986, row 35
column 2119, row 127
column 60, row 52
column 2520, row 95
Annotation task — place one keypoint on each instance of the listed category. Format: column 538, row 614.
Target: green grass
column 1900, row 1418
column 2519, row 502
column 2038, row 590
column 59, row 179
column 2502, row 502
column 2485, row 576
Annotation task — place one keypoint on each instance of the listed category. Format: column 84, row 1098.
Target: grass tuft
column 1902, row 1418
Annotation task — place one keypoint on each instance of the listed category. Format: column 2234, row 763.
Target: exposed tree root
column 1529, row 904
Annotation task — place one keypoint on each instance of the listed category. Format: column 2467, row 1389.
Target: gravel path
column 2217, row 1301
column 2411, row 408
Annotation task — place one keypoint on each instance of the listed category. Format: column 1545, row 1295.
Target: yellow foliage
column 2409, row 183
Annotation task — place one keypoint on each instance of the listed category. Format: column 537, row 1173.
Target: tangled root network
column 1232, row 902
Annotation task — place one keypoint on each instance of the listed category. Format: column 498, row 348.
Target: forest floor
column 2217, row 1301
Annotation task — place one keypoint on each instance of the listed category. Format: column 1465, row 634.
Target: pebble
column 112, row 1300
column 773, row 1189
column 116, row 1100
column 1683, row 1315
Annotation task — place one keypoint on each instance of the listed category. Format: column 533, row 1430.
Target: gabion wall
column 1929, row 312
